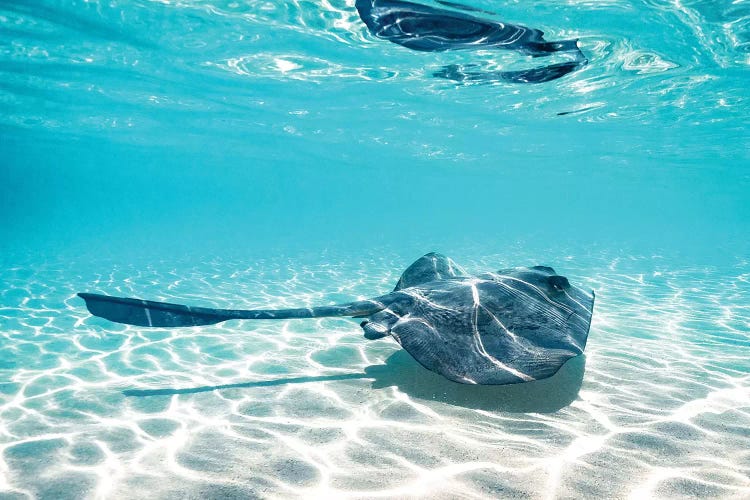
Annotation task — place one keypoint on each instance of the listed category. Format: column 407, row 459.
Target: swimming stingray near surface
column 505, row 327
column 425, row 28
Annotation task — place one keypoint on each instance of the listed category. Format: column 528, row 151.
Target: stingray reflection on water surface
column 511, row 326
column 431, row 29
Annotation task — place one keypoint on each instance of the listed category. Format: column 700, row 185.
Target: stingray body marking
column 512, row 326
column 431, row 29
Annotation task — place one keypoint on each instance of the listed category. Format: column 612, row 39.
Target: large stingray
column 426, row 28
column 510, row 326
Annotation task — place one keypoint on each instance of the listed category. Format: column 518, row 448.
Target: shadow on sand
column 402, row 371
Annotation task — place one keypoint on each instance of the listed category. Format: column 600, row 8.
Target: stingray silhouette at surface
column 514, row 325
column 430, row 29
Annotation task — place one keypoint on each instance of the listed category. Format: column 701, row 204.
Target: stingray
column 431, row 29
column 510, row 326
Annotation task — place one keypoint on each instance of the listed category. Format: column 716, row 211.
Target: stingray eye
column 558, row 283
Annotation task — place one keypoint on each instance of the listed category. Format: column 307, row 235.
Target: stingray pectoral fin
column 150, row 313
column 432, row 350
column 455, row 356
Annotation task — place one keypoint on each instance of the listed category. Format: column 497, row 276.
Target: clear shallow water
column 261, row 154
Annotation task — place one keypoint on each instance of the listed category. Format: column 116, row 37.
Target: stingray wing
column 430, row 267
column 491, row 329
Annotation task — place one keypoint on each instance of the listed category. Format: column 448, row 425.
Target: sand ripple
column 660, row 407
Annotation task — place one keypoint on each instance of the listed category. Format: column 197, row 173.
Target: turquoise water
column 261, row 154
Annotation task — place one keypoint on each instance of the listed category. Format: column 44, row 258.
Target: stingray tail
column 163, row 314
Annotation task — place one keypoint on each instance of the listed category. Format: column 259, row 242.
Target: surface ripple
column 225, row 69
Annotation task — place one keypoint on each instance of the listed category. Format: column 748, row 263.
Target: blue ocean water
column 276, row 154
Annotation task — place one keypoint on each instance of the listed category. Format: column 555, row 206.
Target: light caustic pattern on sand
column 309, row 408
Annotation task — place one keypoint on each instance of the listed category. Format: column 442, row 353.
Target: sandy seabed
column 659, row 407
